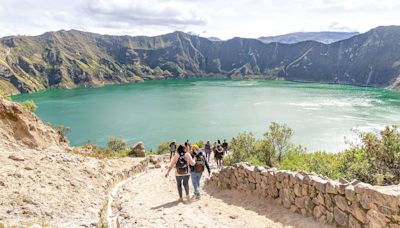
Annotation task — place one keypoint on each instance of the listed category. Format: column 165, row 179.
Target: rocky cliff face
column 66, row 59
column 20, row 126
column 43, row 182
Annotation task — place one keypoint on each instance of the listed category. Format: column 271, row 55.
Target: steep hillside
column 323, row 37
column 66, row 59
column 20, row 126
column 42, row 182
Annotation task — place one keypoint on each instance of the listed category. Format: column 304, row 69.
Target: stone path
column 150, row 200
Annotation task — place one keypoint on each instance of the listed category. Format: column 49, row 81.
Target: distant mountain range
column 323, row 37
column 66, row 59
column 214, row 38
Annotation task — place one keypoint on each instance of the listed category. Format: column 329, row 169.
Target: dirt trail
column 150, row 200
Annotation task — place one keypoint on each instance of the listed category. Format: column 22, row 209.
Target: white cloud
column 222, row 18
column 150, row 12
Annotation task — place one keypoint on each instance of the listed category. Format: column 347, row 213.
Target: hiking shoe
column 180, row 199
column 188, row 198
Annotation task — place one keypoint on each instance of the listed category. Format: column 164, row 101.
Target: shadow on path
column 264, row 207
column 167, row 205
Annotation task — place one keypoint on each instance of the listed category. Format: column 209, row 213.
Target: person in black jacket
column 196, row 170
column 225, row 146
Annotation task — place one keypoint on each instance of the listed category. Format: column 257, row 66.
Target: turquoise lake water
column 156, row 111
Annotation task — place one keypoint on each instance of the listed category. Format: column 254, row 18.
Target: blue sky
column 220, row 18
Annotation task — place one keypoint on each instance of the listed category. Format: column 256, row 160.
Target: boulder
column 300, row 202
column 319, row 200
column 319, row 211
column 341, row 202
column 319, row 183
column 329, row 202
column 329, row 217
column 331, row 187
column 376, row 219
column 350, row 193
column 297, row 190
column 353, row 223
column 304, row 190
column 358, row 213
column 138, row 150
column 341, row 217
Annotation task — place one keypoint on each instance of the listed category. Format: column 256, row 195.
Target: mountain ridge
column 66, row 59
column 325, row 37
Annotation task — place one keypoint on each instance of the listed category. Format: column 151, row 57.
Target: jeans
column 196, row 181
column 185, row 181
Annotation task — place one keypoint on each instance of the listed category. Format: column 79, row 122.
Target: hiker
column 219, row 155
column 181, row 161
column 214, row 149
column 207, row 150
column 172, row 149
column 187, row 146
column 196, row 171
column 225, row 146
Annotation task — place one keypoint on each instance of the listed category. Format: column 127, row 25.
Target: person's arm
column 189, row 159
column 172, row 164
column 207, row 165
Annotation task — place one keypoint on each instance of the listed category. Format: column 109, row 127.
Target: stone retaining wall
column 138, row 168
column 338, row 203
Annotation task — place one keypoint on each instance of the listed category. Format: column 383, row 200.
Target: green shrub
column 376, row 159
column 242, row 148
column 163, row 148
column 200, row 143
column 107, row 153
column 62, row 130
column 323, row 163
column 3, row 95
column 278, row 139
column 29, row 104
column 116, row 144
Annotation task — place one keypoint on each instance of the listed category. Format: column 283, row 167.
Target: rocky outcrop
column 66, row 59
column 20, row 126
column 137, row 150
column 43, row 182
column 333, row 202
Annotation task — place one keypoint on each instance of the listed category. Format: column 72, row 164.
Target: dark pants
column 185, row 181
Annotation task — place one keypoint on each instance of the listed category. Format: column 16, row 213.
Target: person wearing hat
column 196, row 170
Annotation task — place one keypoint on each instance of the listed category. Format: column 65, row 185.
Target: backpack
column 199, row 164
column 182, row 165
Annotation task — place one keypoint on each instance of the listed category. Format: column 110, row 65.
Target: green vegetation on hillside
column 163, row 148
column 66, row 59
column 29, row 104
column 375, row 160
column 62, row 130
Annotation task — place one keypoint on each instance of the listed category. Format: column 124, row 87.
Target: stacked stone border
column 138, row 168
column 339, row 203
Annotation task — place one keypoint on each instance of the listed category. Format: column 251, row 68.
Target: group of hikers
column 190, row 161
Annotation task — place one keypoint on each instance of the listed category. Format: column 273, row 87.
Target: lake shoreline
column 129, row 110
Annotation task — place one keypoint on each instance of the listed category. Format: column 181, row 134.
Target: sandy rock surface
column 55, row 187
column 20, row 126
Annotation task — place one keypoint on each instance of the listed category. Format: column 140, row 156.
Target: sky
column 210, row 18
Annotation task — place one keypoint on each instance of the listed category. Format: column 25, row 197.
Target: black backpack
column 199, row 164
column 182, row 165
